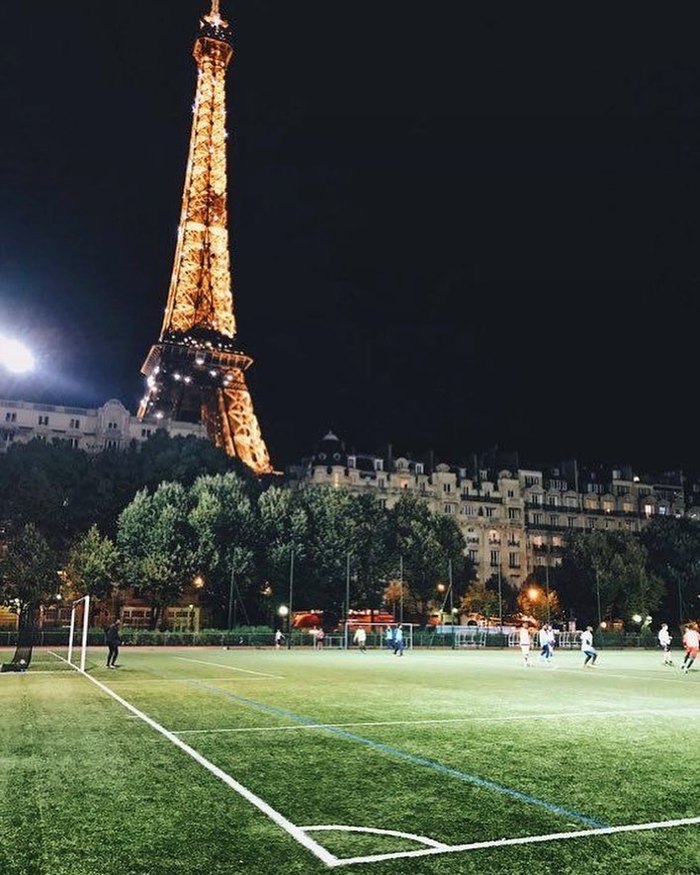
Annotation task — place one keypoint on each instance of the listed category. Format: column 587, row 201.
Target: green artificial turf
column 458, row 747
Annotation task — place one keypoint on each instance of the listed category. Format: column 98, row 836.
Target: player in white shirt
column 545, row 644
column 587, row 646
column 524, row 640
column 664, row 637
column 691, row 642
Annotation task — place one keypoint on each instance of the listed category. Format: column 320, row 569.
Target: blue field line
column 409, row 757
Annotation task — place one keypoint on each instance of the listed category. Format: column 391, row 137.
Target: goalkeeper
column 113, row 642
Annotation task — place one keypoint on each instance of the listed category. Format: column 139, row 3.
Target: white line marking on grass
column 523, row 840
column 262, row 674
column 295, row 831
column 411, row 836
column 625, row 677
column 578, row 715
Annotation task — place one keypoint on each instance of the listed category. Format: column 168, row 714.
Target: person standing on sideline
column 389, row 639
column 587, row 647
column 113, row 642
column 279, row 639
column 691, row 642
column 320, row 635
column 665, row 643
column 360, row 638
column 398, row 641
column 524, row 639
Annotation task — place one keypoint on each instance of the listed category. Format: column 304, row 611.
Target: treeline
column 107, row 525
column 155, row 518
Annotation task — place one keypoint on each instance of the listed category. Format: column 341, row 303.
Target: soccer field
column 189, row 761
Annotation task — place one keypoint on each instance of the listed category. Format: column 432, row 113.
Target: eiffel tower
column 196, row 371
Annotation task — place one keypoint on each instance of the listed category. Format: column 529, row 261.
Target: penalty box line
column 292, row 829
column 502, row 843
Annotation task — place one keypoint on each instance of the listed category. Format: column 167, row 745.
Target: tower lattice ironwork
column 197, row 369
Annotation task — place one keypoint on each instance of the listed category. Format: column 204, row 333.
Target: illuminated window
column 43, row 420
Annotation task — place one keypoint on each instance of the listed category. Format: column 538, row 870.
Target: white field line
column 294, row 831
column 578, row 715
column 665, row 679
column 371, row 830
column 501, row 843
column 262, row 674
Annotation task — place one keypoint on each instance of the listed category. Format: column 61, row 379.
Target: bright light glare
column 15, row 356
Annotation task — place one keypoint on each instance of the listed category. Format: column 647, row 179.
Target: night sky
column 454, row 225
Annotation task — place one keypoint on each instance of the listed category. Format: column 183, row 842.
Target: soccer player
column 691, row 641
column 545, row 644
column 524, row 639
column 279, row 639
column 113, row 642
column 390, row 637
column 360, row 638
column 665, row 643
column 398, row 641
column 587, row 647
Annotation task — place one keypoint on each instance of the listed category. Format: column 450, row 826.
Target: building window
column 513, row 513
column 75, row 423
column 537, row 519
column 530, row 480
column 10, row 417
column 351, row 461
column 111, row 445
column 554, row 520
column 112, row 426
column 474, row 556
column 495, row 558
column 448, row 508
column 489, row 511
column 43, row 420
column 447, row 487
column 378, row 464
column 513, row 560
column 73, row 442
column 419, row 467
column 571, row 521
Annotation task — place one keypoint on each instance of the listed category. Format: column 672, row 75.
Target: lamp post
column 230, row 605
column 291, row 597
column 283, row 612
column 500, row 605
column 347, row 598
column 401, row 583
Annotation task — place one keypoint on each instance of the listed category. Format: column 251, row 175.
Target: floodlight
column 15, row 356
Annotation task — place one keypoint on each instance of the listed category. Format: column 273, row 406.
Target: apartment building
column 110, row 426
column 515, row 520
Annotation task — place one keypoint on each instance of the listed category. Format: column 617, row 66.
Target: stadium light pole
column 291, row 595
column 230, row 605
column 500, row 605
column 15, row 357
column 452, row 616
column 347, row 597
column 401, row 583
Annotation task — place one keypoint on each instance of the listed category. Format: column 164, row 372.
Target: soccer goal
column 78, row 605
column 376, row 635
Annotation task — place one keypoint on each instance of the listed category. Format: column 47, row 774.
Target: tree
column 427, row 542
column 284, row 532
column 479, row 599
column 157, row 545
column 225, row 526
column 673, row 545
column 372, row 558
column 535, row 602
column 607, row 568
column 28, row 573
column 93, row 566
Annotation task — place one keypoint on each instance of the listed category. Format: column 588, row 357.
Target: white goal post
column 86, row 620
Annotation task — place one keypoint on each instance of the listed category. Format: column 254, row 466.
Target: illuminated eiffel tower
column 197, row 369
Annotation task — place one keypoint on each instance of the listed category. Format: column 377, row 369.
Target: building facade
column 110, row 426
column 515, row 520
